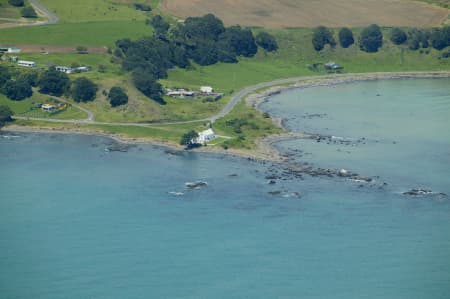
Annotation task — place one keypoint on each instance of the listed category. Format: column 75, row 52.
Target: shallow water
column 405, row 125
column 79, row 222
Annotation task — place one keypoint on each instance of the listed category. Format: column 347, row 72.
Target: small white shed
column 206, row 89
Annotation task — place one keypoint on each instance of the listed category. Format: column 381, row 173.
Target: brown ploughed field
column 311, row 13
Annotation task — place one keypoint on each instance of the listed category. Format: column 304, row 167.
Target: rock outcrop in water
column 423, row 192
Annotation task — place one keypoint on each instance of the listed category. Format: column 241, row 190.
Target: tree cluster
column 205, row 40
column 418, row 38
column 53, row 82
column 440, row 38
column 16, row 87
column 57, row 83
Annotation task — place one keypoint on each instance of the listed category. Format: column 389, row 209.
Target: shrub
column 398, row 36
column 141, row 6
column 266, row 41
column 28, row 12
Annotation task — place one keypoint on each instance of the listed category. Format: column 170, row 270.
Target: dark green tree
column 398, row 36
column 321, row 37
column 146, row 83
column 117, row 96
column 32, row 77
column 53, row 82
column 28, row 12
column 17, row 3
column 346, row 38
column 207, row 27
column 160, row 26
column 83, row 90
column 240, row 41
column 17, row 90
column 4, row 75
column 5, row 114
column 266, row 41
column 371, row 39
column 205, row 53
column 440, row 38
column 187, row 138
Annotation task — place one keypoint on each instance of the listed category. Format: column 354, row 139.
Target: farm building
column 70, row 70
column 206, row 89
column 333, row 66
column 205, row 136
column 9, row 49
column 180, row 93
column 64, row 69
column 48, row 107
column 26, row 63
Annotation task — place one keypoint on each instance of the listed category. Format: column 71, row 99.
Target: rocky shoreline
column 284, row 166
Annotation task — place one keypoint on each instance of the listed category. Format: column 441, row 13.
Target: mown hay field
column 306, row 13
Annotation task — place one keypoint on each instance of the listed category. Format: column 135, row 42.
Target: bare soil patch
column 307, row 13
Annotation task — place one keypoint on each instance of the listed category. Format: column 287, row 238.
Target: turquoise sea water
column 79, row 222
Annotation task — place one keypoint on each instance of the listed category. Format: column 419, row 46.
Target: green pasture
column 76, row 34
column 70, row 59
column 24, row 108
column 294, row 56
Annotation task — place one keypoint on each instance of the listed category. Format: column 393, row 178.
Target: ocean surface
column 79, row 221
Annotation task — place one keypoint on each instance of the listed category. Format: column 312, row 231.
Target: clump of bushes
column 117, row 96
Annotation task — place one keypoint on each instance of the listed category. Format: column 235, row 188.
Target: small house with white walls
column 9, row 49
column 26, row 63
column 205, row 136
column 206, row 89
column 64, row 69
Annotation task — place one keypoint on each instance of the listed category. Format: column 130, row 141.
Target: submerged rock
column 423, row 192
column 197, row 184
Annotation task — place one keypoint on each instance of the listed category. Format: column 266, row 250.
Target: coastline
column 264, row 149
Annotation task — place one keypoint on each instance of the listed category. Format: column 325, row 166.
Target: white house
column 206, row 89
column 48, row 107
column 64, row 69
column 9, row 49
column 205, row 136
column 180, row 93
column 26, row 63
